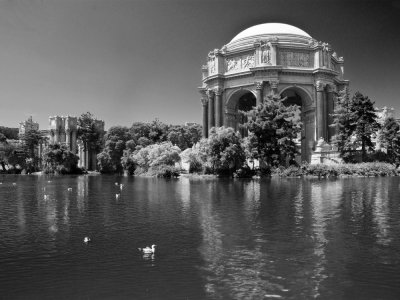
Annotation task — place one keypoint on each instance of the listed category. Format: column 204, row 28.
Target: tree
column 390, row 140
column 184, row 136
column 343, row 121
column 3, row 138
column 89, row 133
column 274, row 128
column 109, row 160
column 10, row 133
column 57, row 158
column 225, row 152
column 365, row 123
column 30, row 140
column 156, row 157
column 149, row 133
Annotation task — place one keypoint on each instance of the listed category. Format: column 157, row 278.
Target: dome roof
column 269, row 29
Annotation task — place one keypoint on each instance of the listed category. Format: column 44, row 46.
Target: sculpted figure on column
column 266, row 53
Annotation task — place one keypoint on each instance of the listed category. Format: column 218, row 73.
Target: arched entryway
column 241, row 100
column 305, row 140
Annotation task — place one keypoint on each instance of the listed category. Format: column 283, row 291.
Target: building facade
column 273, row 58
column 64, row 130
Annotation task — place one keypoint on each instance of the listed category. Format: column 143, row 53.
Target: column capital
column 218, row 91
column 204, row 101
column 319, row 86
column 259, row 85
column 210, row 93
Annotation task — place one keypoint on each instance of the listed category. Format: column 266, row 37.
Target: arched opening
column 305, row 139
column 245, row 103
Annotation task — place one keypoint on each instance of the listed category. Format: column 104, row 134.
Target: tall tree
column 30, row 140
column 274, row 129
column 89, row 133
column 343, row 121
column 390, row 140
column 365, row 122
column 109, row 160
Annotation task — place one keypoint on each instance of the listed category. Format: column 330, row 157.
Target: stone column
column 68, row 138
column 204, row 102
column 320, row 109
column 73, row 141
column 218, row 110
column 211, row 109
column 259, row 92
column 274, row 86
column 57, row 136
column 330, row 97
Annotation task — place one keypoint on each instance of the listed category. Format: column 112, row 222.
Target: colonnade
column 213, row 107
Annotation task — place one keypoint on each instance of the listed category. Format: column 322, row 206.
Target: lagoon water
column 216, row 238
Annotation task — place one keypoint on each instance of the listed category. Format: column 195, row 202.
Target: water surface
column 216, row 238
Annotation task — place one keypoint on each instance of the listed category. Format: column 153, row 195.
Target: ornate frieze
column 239, row 63
column 291, row 58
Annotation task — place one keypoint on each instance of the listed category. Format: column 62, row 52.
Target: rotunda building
column 273, row 58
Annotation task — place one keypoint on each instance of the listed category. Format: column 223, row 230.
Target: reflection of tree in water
column 236, row 263
column 82, row 196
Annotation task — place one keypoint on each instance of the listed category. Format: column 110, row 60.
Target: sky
column 137, row 60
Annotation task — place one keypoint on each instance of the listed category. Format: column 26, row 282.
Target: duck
column 87, row 239
column 116, row 183
column 69, row 189
column 117, row 196
column 46, row 197
column 14, row 183
column 148, row 250
column 121, row 186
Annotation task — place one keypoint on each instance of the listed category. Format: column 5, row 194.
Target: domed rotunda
column 273, row 58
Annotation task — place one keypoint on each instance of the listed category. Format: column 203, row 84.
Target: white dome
column 269, row 29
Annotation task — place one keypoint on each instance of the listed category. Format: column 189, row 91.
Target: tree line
column 156, row 149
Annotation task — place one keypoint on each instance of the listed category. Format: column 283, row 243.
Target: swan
column 148, row 250
column 86, row 239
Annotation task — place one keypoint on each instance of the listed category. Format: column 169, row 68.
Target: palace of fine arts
column 199, row 150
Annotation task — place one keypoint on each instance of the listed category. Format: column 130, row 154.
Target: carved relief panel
column 290, row 58
column 239, row 63
column 211, row 65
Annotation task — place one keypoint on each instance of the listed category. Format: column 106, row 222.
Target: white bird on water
column 117, row 196
column 86, row 239
column 148, row 250
column 69, row 189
